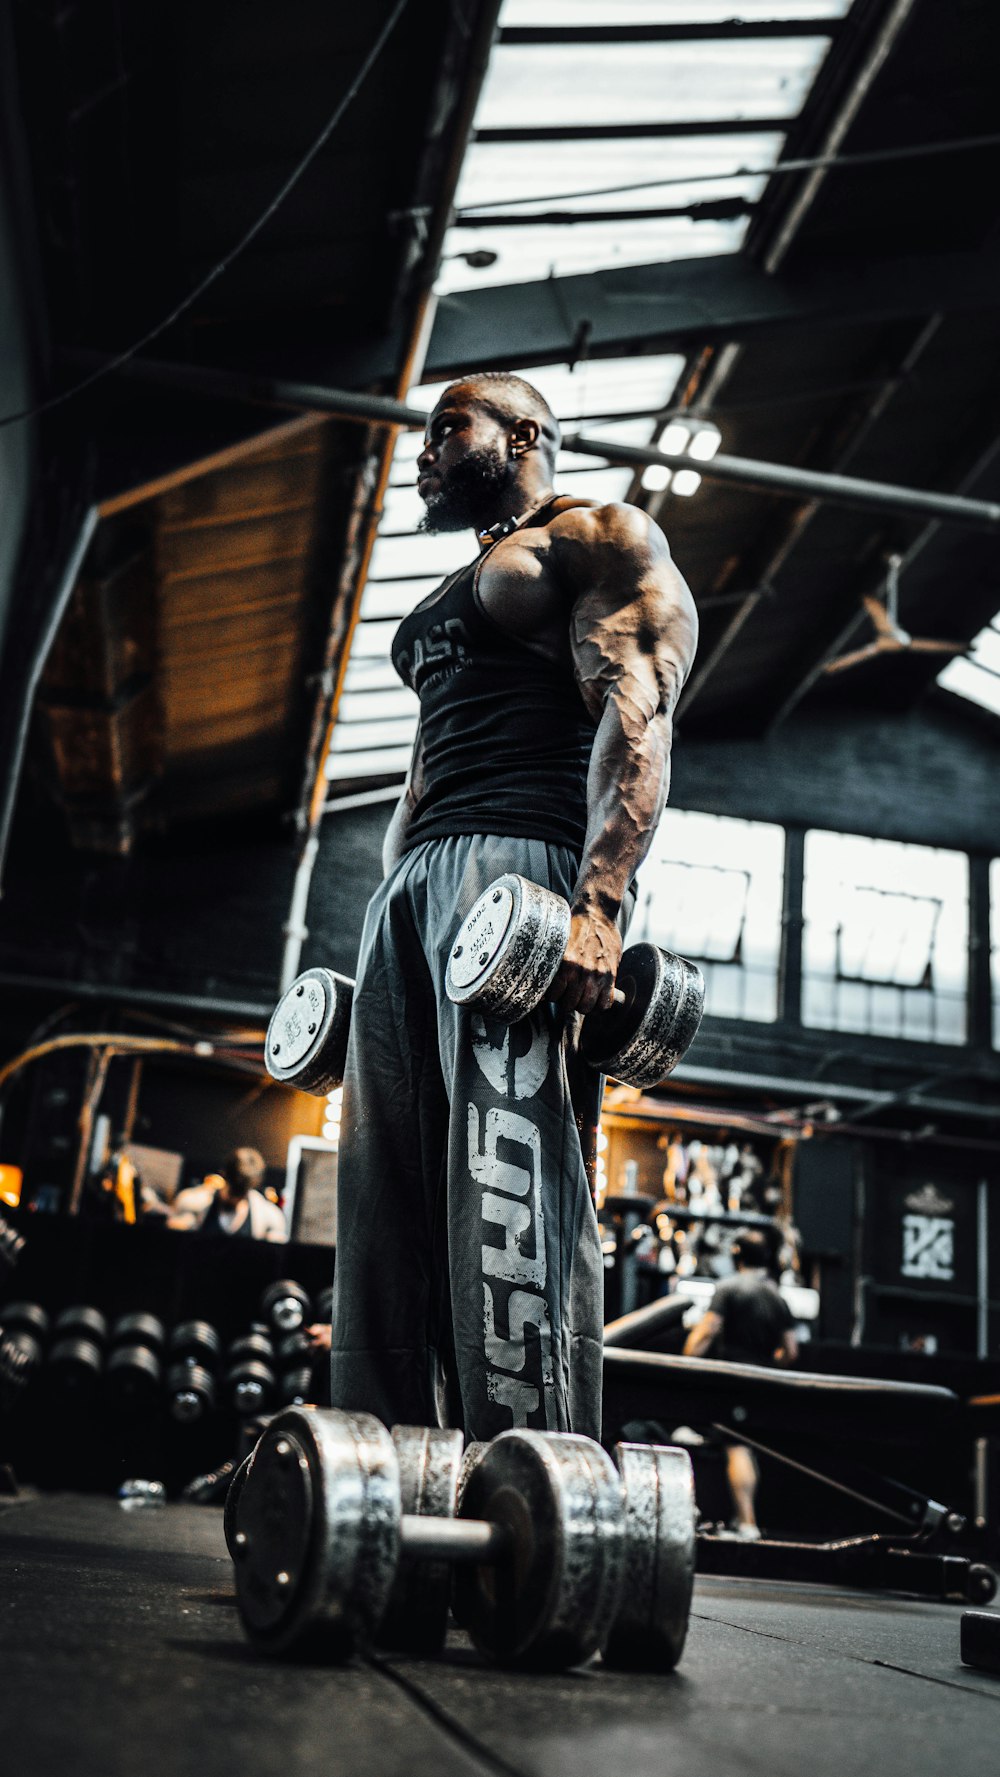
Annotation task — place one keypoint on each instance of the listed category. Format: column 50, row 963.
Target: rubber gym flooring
column 121, row 1652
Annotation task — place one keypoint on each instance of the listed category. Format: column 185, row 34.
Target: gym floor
column 122, row 1652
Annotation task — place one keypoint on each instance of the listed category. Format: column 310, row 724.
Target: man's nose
column 426, row 458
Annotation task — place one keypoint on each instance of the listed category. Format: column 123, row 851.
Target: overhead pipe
column 771, row 478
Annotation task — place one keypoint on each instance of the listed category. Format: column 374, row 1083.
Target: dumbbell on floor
column 24, row 1328
column 508, row 951
column 193, row 1351
column 250, row 1380
column 134, row 1370
column 76, row 1358
column 545, row 1530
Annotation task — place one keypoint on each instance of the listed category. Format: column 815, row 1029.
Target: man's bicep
column 633, row 630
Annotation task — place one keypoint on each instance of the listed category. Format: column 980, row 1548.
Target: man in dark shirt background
column 747, row 1322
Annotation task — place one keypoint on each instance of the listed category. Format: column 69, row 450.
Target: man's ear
column 524, row 436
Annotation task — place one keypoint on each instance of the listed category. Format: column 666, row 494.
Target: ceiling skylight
column 977, row 677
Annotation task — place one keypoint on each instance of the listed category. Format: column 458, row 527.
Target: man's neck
column 514, row 504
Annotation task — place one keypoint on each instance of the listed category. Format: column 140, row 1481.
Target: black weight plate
column 231, row 1511
column 549, row 1604
column 191, row 1389
column 83, row 1323
column 195, row 1339
column 319, row 1512
column 258, row 1347
column 139, row 1329
column 285, row 1305
column 250, row 1386
column 134, row 1373
column 75, row 1364
column 416, row 1619
column 28, row 1317
column 650, row 1625
column 641, row 1040
column 295, row 1386
column 294, row 1351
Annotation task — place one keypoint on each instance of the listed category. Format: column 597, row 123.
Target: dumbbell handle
column 468, row 1540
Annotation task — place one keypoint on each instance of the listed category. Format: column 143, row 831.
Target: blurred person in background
column 231, row 1202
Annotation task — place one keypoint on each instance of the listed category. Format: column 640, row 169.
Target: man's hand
column 586, row 976
column 320, row 1335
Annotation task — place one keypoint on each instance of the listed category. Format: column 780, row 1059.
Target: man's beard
column 465, row 496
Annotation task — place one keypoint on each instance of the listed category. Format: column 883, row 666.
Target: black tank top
column 506, row 735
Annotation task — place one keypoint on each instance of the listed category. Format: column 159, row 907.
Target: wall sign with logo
column 924, row 1232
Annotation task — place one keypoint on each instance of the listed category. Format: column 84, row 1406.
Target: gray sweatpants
column 469, row 1278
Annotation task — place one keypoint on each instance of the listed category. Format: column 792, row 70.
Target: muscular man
column 469, row 1279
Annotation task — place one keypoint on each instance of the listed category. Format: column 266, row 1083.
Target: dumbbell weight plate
column 319, row 1510
column 191, row 1389
column 139, row 1329
column 134, row 1373
column 306, row 1042
column 195, row 1341
column 508, row 949
column 26, row 1317
column 295, row 1386
column 75, row 1364
column 250, row 1386
column 651, row 1622
column 82, row 1323
column 416, row 1619
column 551, row 1604
column 641, row 1039
column 231, row 1510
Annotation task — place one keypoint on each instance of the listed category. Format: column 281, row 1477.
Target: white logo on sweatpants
column 512, row 1204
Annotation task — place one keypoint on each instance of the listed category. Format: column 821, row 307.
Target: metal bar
column 742, row 1437
column 983, row 1269
column 693, row 31
column 136, row 996
column 741, row 471
column 454, row 1540
column 721, row 209
column 775, row 478
column 613, row 132
column 779, row 478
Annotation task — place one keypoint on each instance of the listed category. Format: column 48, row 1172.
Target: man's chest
column 519, row 590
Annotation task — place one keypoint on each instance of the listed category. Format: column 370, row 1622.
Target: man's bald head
column 510, row 399
column 489, row 452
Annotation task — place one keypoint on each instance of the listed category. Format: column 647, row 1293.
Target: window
column 995, row 946
column 711, row 889
column 885, row 942
column 977, row 676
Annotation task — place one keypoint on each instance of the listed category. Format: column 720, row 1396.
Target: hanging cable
column 251, row 233
column 873, row 157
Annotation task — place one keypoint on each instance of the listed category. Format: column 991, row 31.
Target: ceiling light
column 705, row 443
column 686, row 481
column 674, row 439
column 656, row 477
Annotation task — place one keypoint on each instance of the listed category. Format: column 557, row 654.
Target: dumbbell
column 507, row 953
column 546, row 1528
column 76, row 1358
column 250, row 1380
column 285, row 1306
column 295, row 1366
column 134, row 1370
column 194, row 1349
column 11, row 1245
column 306, row 1042
column 24, row 1328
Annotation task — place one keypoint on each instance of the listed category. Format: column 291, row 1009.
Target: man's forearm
column 626, row 791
